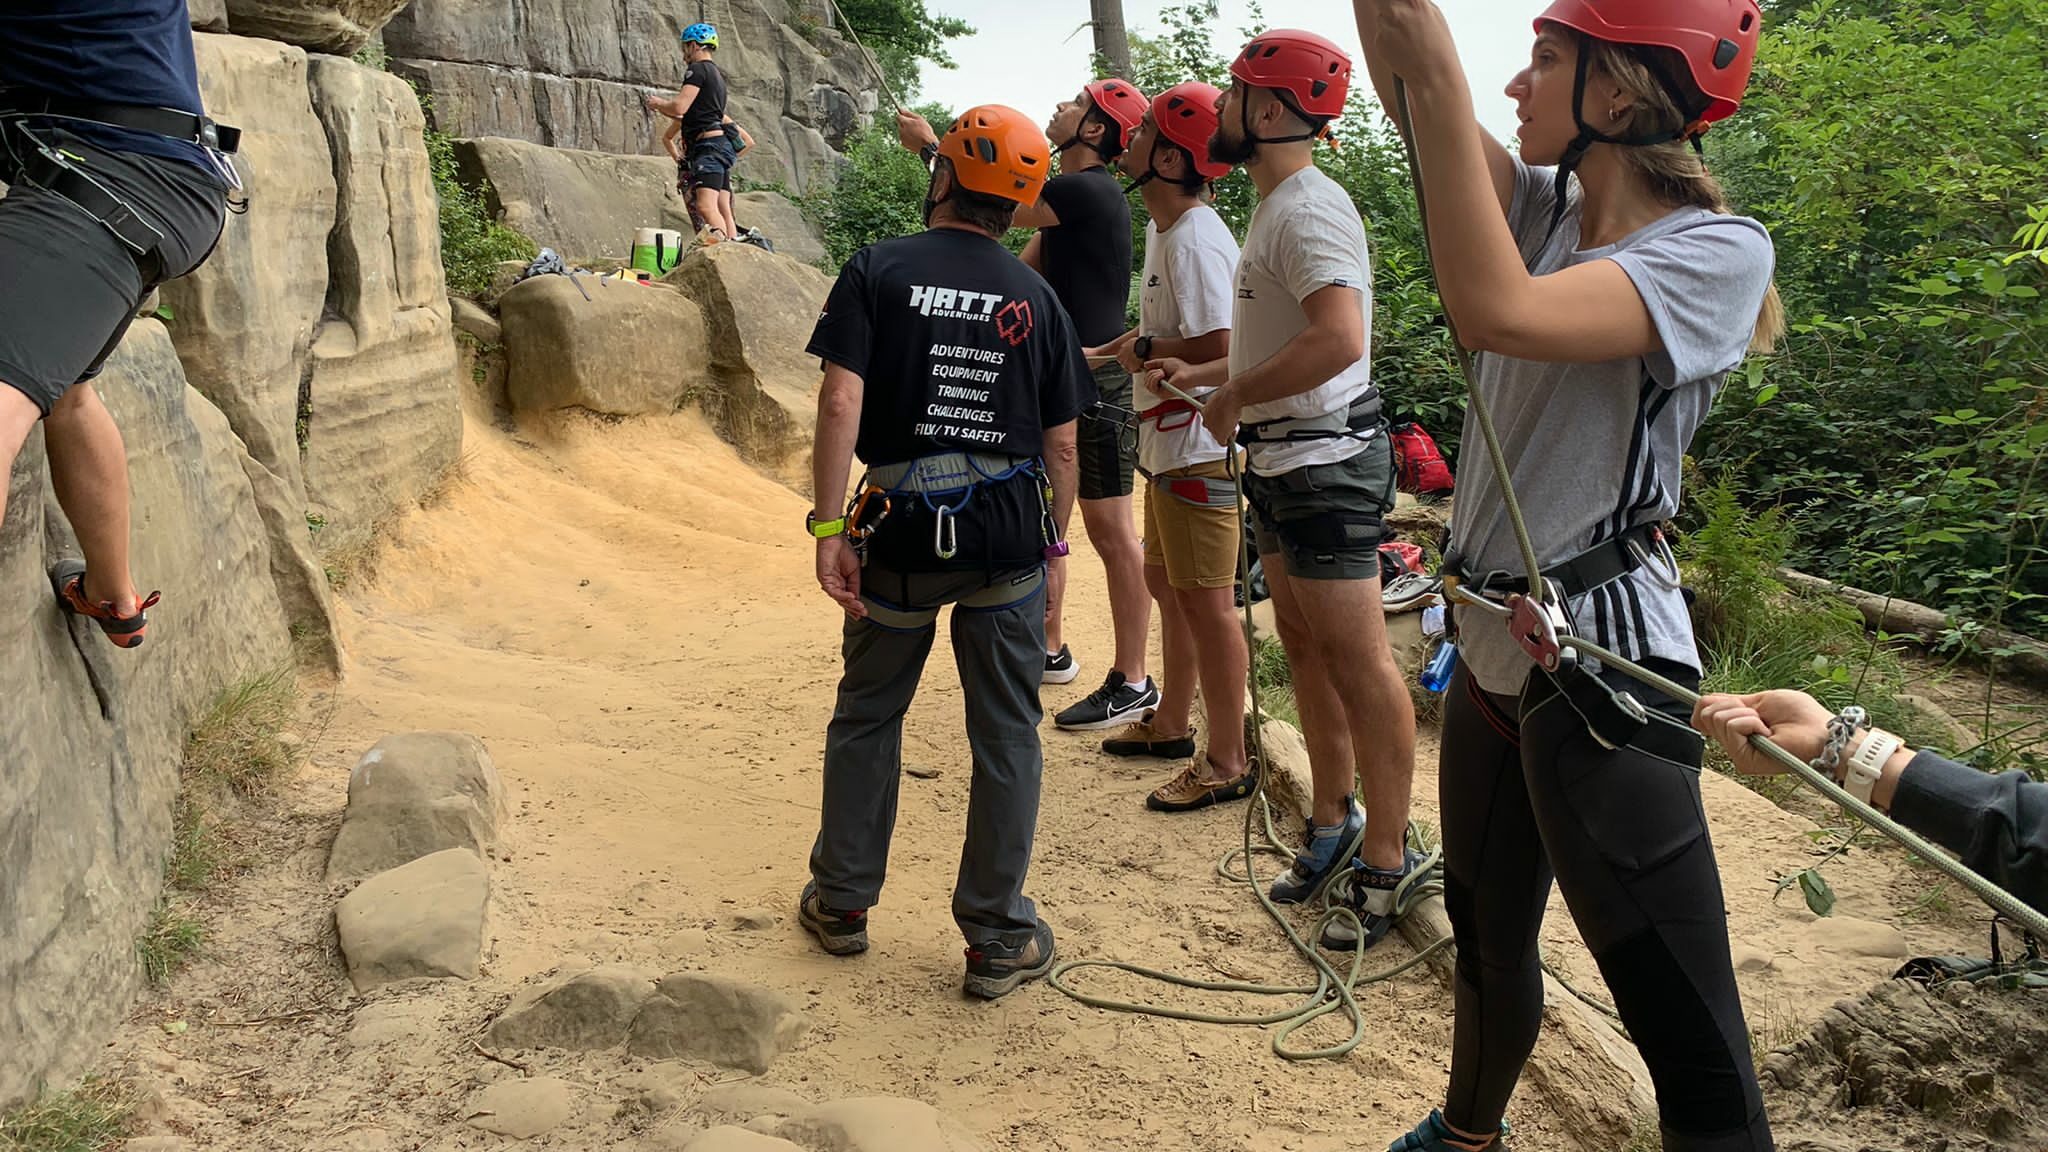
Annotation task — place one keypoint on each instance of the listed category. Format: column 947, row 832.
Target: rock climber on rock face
column 954, row 373
column 1083, row 247
column 117, row 183
column 699, row 108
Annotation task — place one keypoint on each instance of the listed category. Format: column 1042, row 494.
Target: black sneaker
column 1379, row 898
column 995, row 970
column 1060, row 668
column 839, row 932
column 1140, row 739
column 1113, row 704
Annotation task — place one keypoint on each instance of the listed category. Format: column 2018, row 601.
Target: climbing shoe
column 1410, row 590
column 1141, row 739
column 1060, row 667
column 1379, row 898
column 1325, row 852
column 1433, row 1135
column 1193, row 788
column 1116, row 702
column 995, row 969
column 67, row 580
column 839, row 932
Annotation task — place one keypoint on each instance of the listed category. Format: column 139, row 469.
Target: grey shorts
column 68, row 287
column 1326, row 520
column 1108, row 437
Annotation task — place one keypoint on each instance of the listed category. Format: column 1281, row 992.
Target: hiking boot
column 67, row 580
column 1324, row 853
column 995, row 970
column 1060, row 667
column 840, row 932
column 1379, row 897
column 1141, row 739
column 1433, row 1135
column 1116, row 702
column 1193, row 788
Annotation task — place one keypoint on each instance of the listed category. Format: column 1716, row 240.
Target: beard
column 1224, row 150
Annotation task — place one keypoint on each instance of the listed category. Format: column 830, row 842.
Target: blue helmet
column 701, row 33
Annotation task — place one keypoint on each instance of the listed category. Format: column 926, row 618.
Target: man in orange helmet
column 954, row 374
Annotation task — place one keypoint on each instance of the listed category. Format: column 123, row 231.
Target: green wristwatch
column 822, row 529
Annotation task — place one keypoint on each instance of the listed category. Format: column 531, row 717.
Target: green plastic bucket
column 656, row 250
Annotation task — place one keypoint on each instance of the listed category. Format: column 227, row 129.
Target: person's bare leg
column 707, row 207
column 1177, row 654
column 18, row 415
column 1115, row 538
column 1323, row 724
column 1349, row 628
column 1210, row 617
column 731, row 219
column 89, row 470
column 1055, row 599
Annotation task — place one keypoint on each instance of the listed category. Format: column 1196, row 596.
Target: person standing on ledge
column 699, row 110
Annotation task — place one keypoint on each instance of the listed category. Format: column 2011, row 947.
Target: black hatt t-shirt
column 1087, row 255
column 959, row 346
column 708, row 109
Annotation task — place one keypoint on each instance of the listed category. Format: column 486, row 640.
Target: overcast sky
column 1029, row 55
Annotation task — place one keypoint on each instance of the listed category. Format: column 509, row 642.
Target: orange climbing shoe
column 67, row 579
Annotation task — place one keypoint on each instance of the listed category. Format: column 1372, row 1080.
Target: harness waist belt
column 1171, row 406
column 1601, row 564
column 1359, row 421
column 944, row 471
column 185, row 126
column 49, row 171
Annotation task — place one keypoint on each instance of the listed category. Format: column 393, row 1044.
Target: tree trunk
column 1110, row 42
column 2019, row 655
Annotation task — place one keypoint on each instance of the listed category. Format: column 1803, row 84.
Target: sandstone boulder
column 629, row 350
column 712, row 1018
column 415, row 794
column 425, row 918
column 759, row 308
column 726, row 1138
column 744, row 1100
column 209, row 15
column 338, row 26
column 782, row 222
column 475, row 320
column 584, row 205
column 523, row 1109
column 588, row 1011
column 92, row 736
column 381, row 407
column 877, row 1124
column 245, row 319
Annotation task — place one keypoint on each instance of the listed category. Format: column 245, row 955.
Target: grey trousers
column 999, row 649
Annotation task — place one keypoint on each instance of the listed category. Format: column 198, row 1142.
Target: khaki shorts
column 1198, row 545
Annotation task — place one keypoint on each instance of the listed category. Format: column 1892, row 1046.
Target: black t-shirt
column 959, row 346
column 708, row 108
column 1087, row 256
column 114, row 51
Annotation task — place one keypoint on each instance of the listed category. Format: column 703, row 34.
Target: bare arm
column 1333, row 341
column 1035, row 215
column 1499, row 164
column 1063, row 461
column 676, row 105
column 1033, row 254
column 839, row 401
column 1115, row 346
column 668, row 139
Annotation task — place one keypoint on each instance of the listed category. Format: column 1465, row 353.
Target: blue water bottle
column 1436, row 675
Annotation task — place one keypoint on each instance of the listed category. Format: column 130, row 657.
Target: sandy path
column 627, row 618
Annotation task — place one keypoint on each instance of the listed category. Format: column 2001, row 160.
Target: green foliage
column 472, row 242
column 1275, row 680
column 87, row 1118
column 903, row 35
column 879, row 194
column 172, row 940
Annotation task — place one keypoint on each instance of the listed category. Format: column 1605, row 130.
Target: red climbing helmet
column 1312, row 71
column 1121, row 103
column 1717, row 38
column 1185, row 114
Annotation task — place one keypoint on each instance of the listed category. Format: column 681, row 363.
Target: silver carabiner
column 945, row 533
column 1666, row 573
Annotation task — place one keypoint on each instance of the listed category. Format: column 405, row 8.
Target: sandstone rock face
column 91, row 738
column 245, row 319
column 415, row 794
column 760, row 308
column 338, row 26
column 584, row 205
column 782, row 222
column 382, row 410
column 575, row 75
column 425, row 918
column 629, row 350
column 209, row 15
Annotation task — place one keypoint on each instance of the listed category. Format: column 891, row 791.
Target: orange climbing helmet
column 1121, row 104
column 1185, row 114
column 1717, row 38
column 998, row 152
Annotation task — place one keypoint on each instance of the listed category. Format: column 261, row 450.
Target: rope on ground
column 1330, row 993
column 1998, row 898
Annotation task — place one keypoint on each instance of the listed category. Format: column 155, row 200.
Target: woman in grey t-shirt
column 1606, row 313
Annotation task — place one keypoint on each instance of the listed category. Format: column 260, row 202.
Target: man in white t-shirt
column 1321, row 471
column 1192, row 526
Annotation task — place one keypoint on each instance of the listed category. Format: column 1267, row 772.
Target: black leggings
column 1527, row 792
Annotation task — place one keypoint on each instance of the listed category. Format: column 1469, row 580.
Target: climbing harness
column 1005, row 531
column 1361, row 421
column 1541, row 626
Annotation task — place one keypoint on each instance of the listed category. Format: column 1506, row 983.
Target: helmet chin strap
column 1151, row 172
column 1244, row 122
column 1575, row 152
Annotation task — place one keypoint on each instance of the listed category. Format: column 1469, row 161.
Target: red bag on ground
column 1419, row 467
column 1398, row 557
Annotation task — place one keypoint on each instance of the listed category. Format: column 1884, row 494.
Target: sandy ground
column 625, row 614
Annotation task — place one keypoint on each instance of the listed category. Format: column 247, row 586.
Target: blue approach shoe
column 1432, row 1135
column 1322, row 857
column 1379, row 897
